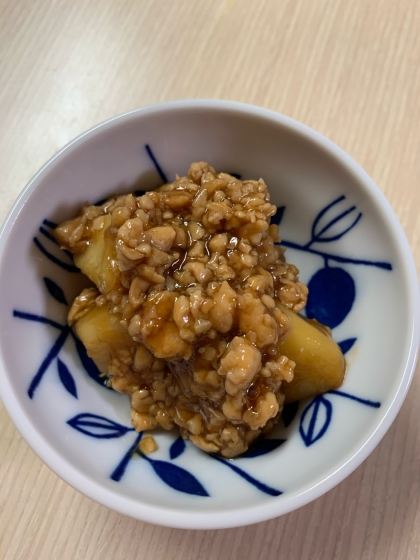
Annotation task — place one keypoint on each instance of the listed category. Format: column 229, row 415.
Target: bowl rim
column 286, row 503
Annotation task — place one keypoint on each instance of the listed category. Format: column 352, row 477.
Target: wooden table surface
column 348, row 69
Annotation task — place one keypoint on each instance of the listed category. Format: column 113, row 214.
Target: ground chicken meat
column 195, row 272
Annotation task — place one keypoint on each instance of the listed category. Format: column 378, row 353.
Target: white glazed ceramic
column 362, row 278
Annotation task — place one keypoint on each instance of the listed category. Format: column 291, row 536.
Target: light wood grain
column 348, row 69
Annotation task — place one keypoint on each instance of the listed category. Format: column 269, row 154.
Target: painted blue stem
column 156, row 163
column 120, row 470
column 378, row 264
column 367, row 402
column 38, row 319
column 260, row 485
column 52, row 354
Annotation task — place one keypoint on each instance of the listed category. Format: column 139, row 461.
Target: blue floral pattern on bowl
column 332, row 292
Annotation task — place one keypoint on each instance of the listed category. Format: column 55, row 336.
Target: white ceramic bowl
column 341, row 233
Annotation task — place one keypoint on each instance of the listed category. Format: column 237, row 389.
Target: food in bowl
column 194, row 309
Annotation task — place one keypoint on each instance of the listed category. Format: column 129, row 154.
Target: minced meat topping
column 192, row 274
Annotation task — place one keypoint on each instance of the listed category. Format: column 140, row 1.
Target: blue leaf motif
column 55, row 291
column 177, row 448
column 347, row 344
column 262, row 447
column 98, row 426
column 177, row 478
column 66, row 378
column 319, row 230
column 315, row 420
column 289, row 412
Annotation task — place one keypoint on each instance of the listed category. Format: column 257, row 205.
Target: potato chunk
column 320, row 364
column 103, row 335
column 96, row 260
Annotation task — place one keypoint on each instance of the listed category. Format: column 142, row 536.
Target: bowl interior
column 338, row 232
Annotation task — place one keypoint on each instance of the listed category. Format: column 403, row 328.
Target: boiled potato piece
column 320, row 364
column 96, row 260
column 103, row 335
